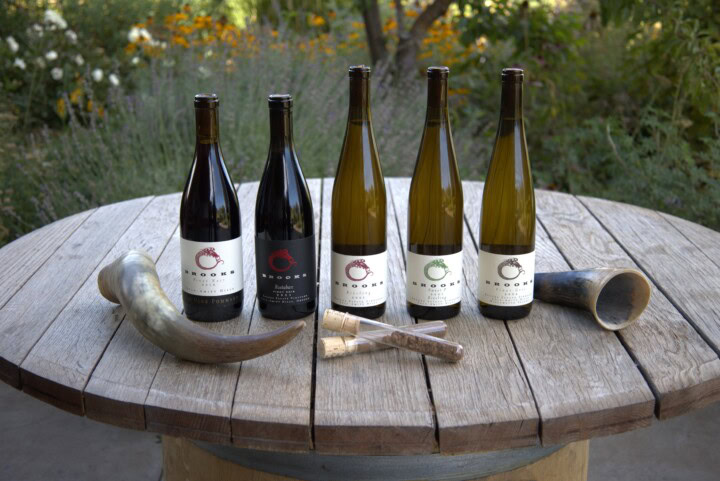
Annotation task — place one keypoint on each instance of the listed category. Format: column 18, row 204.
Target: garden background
column 622, row 97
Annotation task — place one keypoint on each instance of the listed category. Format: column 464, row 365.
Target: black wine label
column 286, row 270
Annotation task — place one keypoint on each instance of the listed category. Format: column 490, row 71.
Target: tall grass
column 145, row 145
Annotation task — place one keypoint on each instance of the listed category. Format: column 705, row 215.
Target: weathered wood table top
column 552, row 378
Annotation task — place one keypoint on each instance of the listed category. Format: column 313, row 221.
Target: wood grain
column 584, row 382
column 195, row 400
column 59, row 365
column 684, row 273
column 26, row 316
column 483, row 402
column 376, row 403
column 705, row 239
column 680, row 366
column 22, row 257
column 271, row 409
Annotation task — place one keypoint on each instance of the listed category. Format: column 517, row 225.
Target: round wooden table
column 527, row 390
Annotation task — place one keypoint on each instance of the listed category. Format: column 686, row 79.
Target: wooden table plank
column 57, row 369
column 195, row 400
column 584, row 382
column 707, row 240
column 376, row 403
column 22, row 257
column 26, row 316
column 483, row 402
column 271, row 409
column 681, row 367
column 685, row 274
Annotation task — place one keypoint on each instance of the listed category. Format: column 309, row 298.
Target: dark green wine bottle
column 435, row 214
column 359, row 244
column 506, row 260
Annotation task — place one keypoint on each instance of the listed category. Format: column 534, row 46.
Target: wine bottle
column 285, row 264
column 435, row 214
column 506, row 260
column 359, row 244
column 210, row 227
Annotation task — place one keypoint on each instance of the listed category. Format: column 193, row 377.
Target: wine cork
column 336, row 346
column 340, row 321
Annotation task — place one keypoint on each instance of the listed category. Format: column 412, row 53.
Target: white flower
column 36, row 29
column 139, row 34
column 14, row 47
column 204, row 72
column 72, row 36
column 40, row 62
column 78, row 59
column 51, row 55
column 114, row 80
column 19, row 63
column 97, row 75
column 135, row 60
column 54, row 18
column 56, row 73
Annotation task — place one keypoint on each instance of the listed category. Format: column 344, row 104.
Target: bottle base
column 433, row 313
column 372, row 312
column 212, row 309
column 505, row 313
column 287, row 313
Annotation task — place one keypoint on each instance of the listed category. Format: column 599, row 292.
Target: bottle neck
column 281, row 135
column 359, row 99
column 206, row 126
column 437, row 99
column 511, row 101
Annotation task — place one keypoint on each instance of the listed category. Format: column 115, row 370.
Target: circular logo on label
column 281, row 260
column 436, row 270
column 359, row 268
column 208, row 259
column 508, row 267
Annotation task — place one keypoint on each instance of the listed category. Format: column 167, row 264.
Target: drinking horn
column 614, row 296
column 132, row 281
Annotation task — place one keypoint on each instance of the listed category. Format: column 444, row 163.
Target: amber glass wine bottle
column 285, row 264
column 435, row 213
column 506, row 260
column 359, row 245
column 210, row 230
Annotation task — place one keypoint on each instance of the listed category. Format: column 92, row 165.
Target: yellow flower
column 411, row 13
column 391, row 24
column 317, row 21
column 203, row 21
column 130, row 48
column 178, row 40
column 75, row 95
column 460, row 91
column 60, row 107
column 353, row 36
column 89, row 106
column 274, row 33
column 101, row 111
column 185, row 29
column 358, row 25
column 186, row 8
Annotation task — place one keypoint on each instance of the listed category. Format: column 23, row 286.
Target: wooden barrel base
column 184, row 460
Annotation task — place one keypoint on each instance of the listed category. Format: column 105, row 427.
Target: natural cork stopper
column 336, row 346
column 341, row 321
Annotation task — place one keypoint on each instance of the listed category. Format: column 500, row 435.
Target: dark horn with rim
column 132, row 281
column 614, row 296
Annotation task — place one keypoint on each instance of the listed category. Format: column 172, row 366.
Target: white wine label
column 359, row 281
column 506, row 280
column 434, row 280
column 211, row 268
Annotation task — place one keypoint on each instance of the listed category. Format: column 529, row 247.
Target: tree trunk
column 373, row 30
column 409, row 42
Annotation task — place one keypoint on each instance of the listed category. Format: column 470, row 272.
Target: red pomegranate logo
column 358, row 264
column 206, row 264
column 281, row 254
